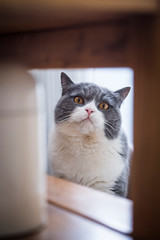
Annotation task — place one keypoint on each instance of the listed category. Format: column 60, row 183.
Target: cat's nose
column 89, row 111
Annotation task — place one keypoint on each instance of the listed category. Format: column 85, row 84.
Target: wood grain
column 146, row 169
column 101, row 45
column 102, row 208
column 29, row 15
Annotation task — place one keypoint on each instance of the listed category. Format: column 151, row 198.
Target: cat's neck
column 90, row 138
column 70, row 130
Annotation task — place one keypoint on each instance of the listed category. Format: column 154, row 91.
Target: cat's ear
column 121, row 94
column 66, row 82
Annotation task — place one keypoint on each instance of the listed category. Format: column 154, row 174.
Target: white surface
column 17, row 90
column 22, row 154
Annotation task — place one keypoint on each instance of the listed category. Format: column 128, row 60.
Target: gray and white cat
column 87, row 145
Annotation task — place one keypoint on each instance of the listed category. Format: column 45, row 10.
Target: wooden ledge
column 30, row 15
column 107, row 210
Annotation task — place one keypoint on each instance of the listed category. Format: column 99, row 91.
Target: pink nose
column 89, row 111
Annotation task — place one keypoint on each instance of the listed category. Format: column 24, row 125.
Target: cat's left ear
column 121, row 94
column 66, row 82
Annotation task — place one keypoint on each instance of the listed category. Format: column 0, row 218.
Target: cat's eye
column 104, row 106
column 78, row 100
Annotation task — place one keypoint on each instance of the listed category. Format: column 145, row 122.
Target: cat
column 87, row 144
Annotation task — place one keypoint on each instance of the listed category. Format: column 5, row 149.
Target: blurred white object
column 22, row 153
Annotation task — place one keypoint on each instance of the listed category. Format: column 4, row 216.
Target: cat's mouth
column 87, row 120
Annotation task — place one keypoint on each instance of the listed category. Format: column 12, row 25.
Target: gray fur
column 121, row 185
column 89, row 92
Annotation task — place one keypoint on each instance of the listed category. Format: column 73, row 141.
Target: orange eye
column 78, row 100
column 104, row 106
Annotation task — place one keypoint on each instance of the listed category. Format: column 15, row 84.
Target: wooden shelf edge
column 105, row 209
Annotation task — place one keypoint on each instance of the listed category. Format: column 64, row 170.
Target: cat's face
column 86, row 108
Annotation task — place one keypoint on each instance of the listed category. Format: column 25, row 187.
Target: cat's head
column 85, row 108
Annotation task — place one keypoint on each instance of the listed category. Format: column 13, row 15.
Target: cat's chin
column 86, row 126
column 87, row 121
column 77, row 128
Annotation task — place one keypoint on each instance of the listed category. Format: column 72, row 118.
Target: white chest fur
column 88, row 160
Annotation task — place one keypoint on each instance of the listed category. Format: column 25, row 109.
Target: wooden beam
column 146, row 164
column 28, row 15
column 116, row 5
column 101, row 45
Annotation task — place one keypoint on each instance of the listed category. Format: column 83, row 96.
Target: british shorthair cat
column 87, row 144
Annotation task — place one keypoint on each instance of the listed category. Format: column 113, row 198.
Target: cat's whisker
column 109, row 128
column 109, row 125
column 64, row 120
column 108, row 131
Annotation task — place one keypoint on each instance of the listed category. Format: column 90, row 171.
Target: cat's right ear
column 66, row 83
